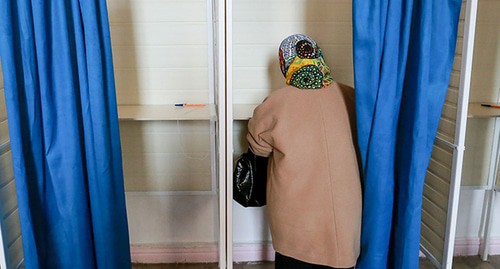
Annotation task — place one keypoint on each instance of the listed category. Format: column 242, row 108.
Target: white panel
column 166, row 156
column 293, row 10
column 157, row 11
column 160, row 56
column 162, row 172
column 172, row 219
column 160, row 50
column 160, row 143
column 159, row 79
column 479, row 142
column 470, row 213
column 272, row 33
column 250, row 225
column 155, row 34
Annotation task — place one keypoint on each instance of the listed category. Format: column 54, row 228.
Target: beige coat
column 313, row 188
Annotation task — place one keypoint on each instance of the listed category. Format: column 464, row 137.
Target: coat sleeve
column 260, row 129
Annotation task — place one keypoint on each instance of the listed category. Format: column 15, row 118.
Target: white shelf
column 478, row 111
column 243, row 111
column 165, row 112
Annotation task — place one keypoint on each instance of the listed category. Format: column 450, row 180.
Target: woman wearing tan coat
column 313, row 187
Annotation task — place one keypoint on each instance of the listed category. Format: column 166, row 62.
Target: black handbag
column 250, row 179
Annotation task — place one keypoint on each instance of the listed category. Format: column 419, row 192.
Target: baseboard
column 174, row 254
column 494, row 248
column 253, row 252
column 207, row 253
column 466, row 246
column 260, row 252
column 473, row 246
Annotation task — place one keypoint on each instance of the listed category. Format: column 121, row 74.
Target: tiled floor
column 458, row 263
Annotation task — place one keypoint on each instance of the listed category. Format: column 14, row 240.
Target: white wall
column 10, row 230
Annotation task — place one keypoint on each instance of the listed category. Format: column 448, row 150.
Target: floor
column 458, row 263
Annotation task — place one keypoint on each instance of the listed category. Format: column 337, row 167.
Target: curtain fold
column 63, row 124
column 403, row 54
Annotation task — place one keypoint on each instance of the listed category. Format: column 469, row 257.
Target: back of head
column 302, row 63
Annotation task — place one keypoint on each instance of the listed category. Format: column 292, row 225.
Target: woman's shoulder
column 346, row 91
column 279, row 95
column 283, row 92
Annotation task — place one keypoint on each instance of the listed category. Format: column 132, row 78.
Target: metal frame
column 463, row 104
column 459, row 140
column 229, row 128
column 225, row 136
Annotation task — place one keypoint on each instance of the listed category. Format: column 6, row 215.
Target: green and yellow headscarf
column 302, row 63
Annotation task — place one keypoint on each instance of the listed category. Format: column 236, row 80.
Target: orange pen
column 493, row 106
column 190, row 104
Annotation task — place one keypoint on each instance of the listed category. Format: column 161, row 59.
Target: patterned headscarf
column 302, row 63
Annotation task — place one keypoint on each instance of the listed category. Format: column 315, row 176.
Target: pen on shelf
column 493, row 106
column 190, row 104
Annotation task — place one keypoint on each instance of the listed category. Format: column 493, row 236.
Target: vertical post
column 220, row 66
column 462, row 109
column 229, row 129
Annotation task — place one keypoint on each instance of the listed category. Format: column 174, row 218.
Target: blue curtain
column 60, row 94
column 403, row 54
